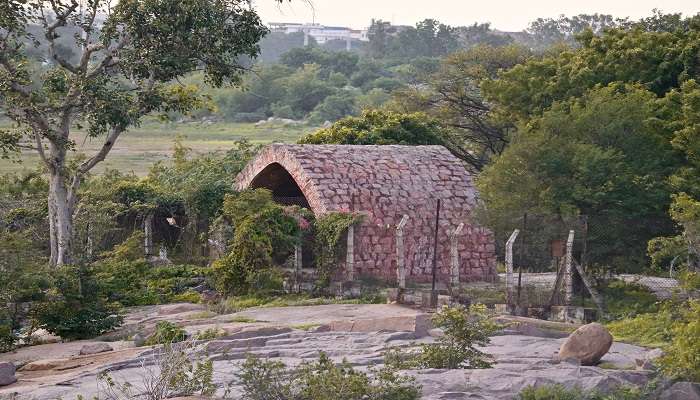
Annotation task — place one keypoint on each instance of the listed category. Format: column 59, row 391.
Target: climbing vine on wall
column 330, row 230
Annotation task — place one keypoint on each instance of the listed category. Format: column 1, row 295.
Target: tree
column 452, row 95
column 660, row 61
column 124, row 72
column 549, row 31
column 604, row 155
column 379, row 127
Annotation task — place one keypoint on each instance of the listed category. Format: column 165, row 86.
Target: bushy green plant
column 682, row 358
column 329, row 230
column 464, row 329
column 166, row 333
column 322, row 380
column 560, row 392
column 674, row 328
column 75, row 307
column 264, row 234
column 624, row 299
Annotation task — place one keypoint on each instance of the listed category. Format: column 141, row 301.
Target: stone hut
column 384, row 183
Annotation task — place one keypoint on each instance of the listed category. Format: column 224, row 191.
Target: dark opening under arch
column 280, row 182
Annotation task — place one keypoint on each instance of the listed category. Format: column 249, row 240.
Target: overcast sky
column 504, row 15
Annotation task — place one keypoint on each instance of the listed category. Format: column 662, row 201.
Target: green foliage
column 379, row 127
column 604, row 155
column 451, row 94
column 674, row 329
column 682, row 356
column 23, row 280
column 74, row 308
column 560, row 392
column 329, row 230
column 166, row 333
column 464, row 329
column 628, row 299
column 264, row 234
column 321, row 380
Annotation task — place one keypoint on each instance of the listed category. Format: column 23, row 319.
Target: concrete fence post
column 509, row 265
column 148, row 237
column 400, row 266
column 568, row 270
column 454, row 255
column 350, row 253
column 297, row 268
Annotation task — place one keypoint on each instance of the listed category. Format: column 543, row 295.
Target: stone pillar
column 509, row 265
column 148, row 236
column 568, row 271
column 297, row 268
column 454, row 255
column 400, row 260
column 350, row 256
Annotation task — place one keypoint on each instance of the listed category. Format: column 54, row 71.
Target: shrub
column 463, row 330
column 264, row 234
column 75, row 308
column 330, row 230
column 321, row 380
column 560, row 392
column 624, row 299
column 682, row 358
column 166, row 333
column 175, row 370
column 674, row 328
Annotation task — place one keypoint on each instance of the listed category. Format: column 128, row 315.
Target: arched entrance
column 280, row 182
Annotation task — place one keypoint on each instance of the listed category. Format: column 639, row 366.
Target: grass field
column 137, row 149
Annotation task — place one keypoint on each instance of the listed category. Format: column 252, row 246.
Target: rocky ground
column 524, row 353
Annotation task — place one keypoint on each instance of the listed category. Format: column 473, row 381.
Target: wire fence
column 580, row 260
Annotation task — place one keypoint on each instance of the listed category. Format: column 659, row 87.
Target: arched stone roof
column 384, row 183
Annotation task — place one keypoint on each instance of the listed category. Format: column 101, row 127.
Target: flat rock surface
column 520, row 360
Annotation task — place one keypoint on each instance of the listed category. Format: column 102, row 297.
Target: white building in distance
column 321, row 33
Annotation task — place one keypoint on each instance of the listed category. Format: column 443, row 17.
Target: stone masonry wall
column 385, row 182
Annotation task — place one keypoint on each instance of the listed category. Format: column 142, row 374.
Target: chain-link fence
column 584, row 261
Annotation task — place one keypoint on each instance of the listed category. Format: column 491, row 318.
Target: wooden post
column 148, row 236
column 350, row 256
column 454, row 253
column 400, row 266
column 509, row 265
column 297, row 268
column 568, row 271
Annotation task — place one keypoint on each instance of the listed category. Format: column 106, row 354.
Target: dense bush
column 74, row 308
column 264, row 234
column 166, row 333
column 628, row 299
column 674, row 328
column 464, row 329
column 321, row 380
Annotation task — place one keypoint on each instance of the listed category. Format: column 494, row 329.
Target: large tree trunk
column 61, row 219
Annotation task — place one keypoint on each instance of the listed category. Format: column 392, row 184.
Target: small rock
column 7, row 374
column 587, row 344
column 436, row 333
column 682, row 391
column 95, row 348
column 139, row 340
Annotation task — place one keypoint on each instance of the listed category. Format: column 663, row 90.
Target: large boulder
column 587, row 344
column 7, row 374
column 682, row 391
column 95, row 348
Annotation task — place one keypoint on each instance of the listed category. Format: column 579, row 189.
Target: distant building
column 321, row 33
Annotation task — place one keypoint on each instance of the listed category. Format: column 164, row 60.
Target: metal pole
column 433, row 293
